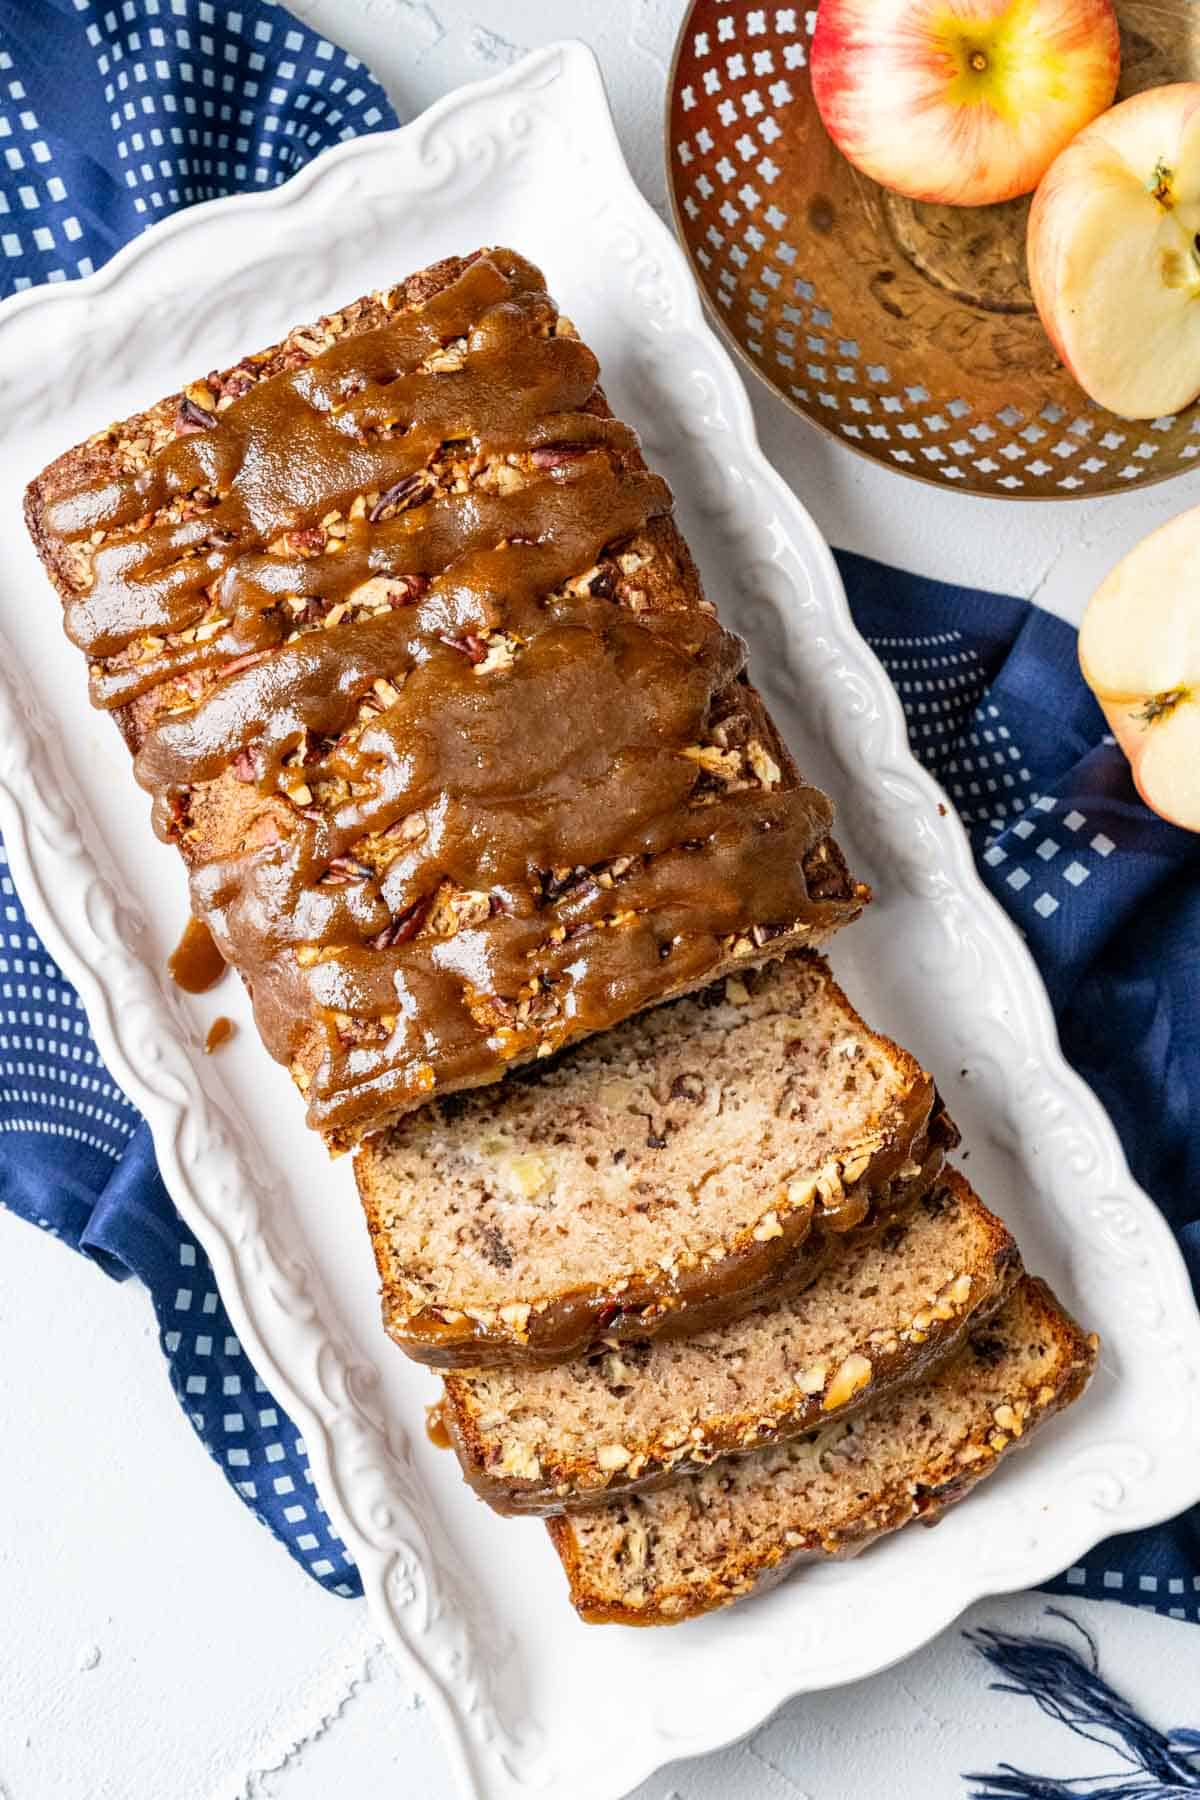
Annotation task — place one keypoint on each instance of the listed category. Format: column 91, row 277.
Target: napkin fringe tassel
column 1071, row 1689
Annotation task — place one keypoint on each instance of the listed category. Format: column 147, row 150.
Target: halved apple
column 961, row 101
column 1139, row 649
column 1114, row 254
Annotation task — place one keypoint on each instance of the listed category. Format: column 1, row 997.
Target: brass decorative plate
column 906, row 330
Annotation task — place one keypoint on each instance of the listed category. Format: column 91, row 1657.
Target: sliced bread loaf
column 660, row 1177
column 624, row 1417
column 653, row 1559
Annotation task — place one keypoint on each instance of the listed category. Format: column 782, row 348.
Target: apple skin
column 963, row 103
column 1112, row 257
column 1139, row 650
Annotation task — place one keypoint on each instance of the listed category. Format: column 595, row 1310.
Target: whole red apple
column 965, row 102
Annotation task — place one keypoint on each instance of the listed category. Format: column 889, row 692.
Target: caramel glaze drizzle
column 567, row 758
column 196, row 964
column 436, row 1428
column 219, row 1032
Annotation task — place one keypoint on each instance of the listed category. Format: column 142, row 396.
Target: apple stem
column 1161, row 706
column 1160, row 184
column 978, row 61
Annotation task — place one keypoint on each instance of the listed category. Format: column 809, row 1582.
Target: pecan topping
column 244, row 662
column 406, row 590
column 345, row 868
column 314, row 611
column 413, row 490
column 469, row 645
column 305, row 540
column 411, row 454
column 557, row 882
column 191, row 417
column 404, row 926
column 555, row 456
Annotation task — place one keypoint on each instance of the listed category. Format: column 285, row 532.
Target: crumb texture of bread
column 655, row 1177
column 422, row 680
column 627, row 1417
column 707, row 1540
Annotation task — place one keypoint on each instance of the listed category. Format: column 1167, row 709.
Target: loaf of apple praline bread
column 422, row 680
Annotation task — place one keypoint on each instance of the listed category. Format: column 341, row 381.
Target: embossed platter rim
column 528, row 1705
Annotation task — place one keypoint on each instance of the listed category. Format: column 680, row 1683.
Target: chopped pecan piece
column 555, row 456
column 404, row 926
column 412, row 490
column 469, row 645
column 192, row 417
column 346, row 868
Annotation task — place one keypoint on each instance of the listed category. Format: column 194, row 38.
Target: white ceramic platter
column 531, row 1700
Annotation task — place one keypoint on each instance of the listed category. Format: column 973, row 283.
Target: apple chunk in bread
column 1114, row 254
column 1139, row 648
column 961, row 101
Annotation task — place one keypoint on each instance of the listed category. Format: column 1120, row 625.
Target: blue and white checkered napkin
column 114, row 114
column 110, row 118
column 1106, row 893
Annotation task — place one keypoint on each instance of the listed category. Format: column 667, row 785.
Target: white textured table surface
column 156, row 1644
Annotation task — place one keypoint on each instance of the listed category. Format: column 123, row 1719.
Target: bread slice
column 706, row 1540
column 625, row 1417
column 659, row 1178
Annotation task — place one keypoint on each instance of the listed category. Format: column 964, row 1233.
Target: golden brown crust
column 937, row 1487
